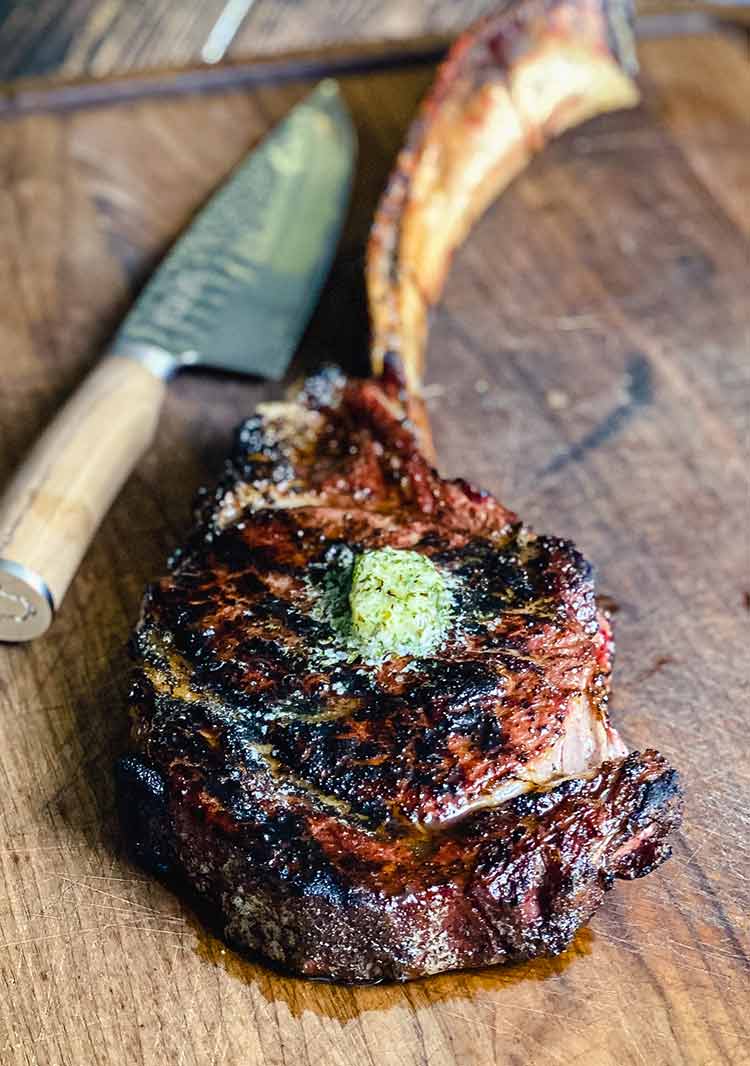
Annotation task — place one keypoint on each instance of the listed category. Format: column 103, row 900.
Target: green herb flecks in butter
column 400, row 604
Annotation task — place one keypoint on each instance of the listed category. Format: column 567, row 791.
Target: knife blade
column 257, row 255
column 235, row 292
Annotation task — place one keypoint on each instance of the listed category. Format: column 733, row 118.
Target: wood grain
column 589, row 364
column 101, row 36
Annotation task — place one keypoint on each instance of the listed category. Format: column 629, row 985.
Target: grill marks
column 414, row 739
column 476, row 798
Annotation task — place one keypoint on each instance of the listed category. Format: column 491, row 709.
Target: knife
column 235, row 293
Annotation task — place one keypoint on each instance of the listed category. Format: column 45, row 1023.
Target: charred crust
column 142, row 805
column 323, row 390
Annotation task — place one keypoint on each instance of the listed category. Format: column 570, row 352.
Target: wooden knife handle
column 54, row 504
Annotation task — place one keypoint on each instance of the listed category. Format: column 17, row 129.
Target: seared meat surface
column 364, row 820
column 377, row 820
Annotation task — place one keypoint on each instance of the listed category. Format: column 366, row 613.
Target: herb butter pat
column 400, row 604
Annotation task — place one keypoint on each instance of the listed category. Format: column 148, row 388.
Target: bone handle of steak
column 58, row 497
column 509, row 84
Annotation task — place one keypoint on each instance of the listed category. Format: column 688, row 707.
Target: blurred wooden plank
column 31, row 95
column 279, row 25
column 74, row 38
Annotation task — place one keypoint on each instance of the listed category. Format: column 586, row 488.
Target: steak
column 366, row 819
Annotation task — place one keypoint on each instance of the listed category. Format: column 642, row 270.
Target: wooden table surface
column 591, row 365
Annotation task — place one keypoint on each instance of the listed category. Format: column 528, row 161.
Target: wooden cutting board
column 590, row 364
